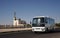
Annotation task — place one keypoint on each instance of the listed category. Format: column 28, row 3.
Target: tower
column 14, row 15
column 14, row 19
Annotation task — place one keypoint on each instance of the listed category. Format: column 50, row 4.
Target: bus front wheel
column 46, row 30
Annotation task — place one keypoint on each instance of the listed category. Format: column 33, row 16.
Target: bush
column 57, row 24
column 29, row 25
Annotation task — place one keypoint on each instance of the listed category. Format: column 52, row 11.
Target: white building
column 18, row 22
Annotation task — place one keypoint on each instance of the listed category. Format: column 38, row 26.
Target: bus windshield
column 38, row 22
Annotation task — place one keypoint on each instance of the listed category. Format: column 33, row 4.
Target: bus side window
column 46, row 20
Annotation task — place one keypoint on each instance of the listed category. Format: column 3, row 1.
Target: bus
column 42, row 24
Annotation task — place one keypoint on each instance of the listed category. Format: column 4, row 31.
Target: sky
column 27, row 9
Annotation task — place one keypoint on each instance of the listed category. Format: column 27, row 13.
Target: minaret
column 14, row 15
column 14, row 19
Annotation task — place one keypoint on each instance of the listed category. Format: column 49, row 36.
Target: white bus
column 42, row 24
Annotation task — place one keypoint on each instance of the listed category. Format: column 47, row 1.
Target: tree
column 57, row 24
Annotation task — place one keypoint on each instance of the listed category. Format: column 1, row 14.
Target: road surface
column 30, row 34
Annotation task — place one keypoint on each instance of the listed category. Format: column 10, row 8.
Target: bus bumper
column 38, row 29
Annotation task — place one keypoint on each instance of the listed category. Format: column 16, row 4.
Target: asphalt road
column 30, row 34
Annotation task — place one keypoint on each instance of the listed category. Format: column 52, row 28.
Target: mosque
column 18, row 22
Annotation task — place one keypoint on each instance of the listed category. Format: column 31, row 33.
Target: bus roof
column 41, row 17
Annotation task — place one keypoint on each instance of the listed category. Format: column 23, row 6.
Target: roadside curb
column 14, row 31
column 9, row 32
